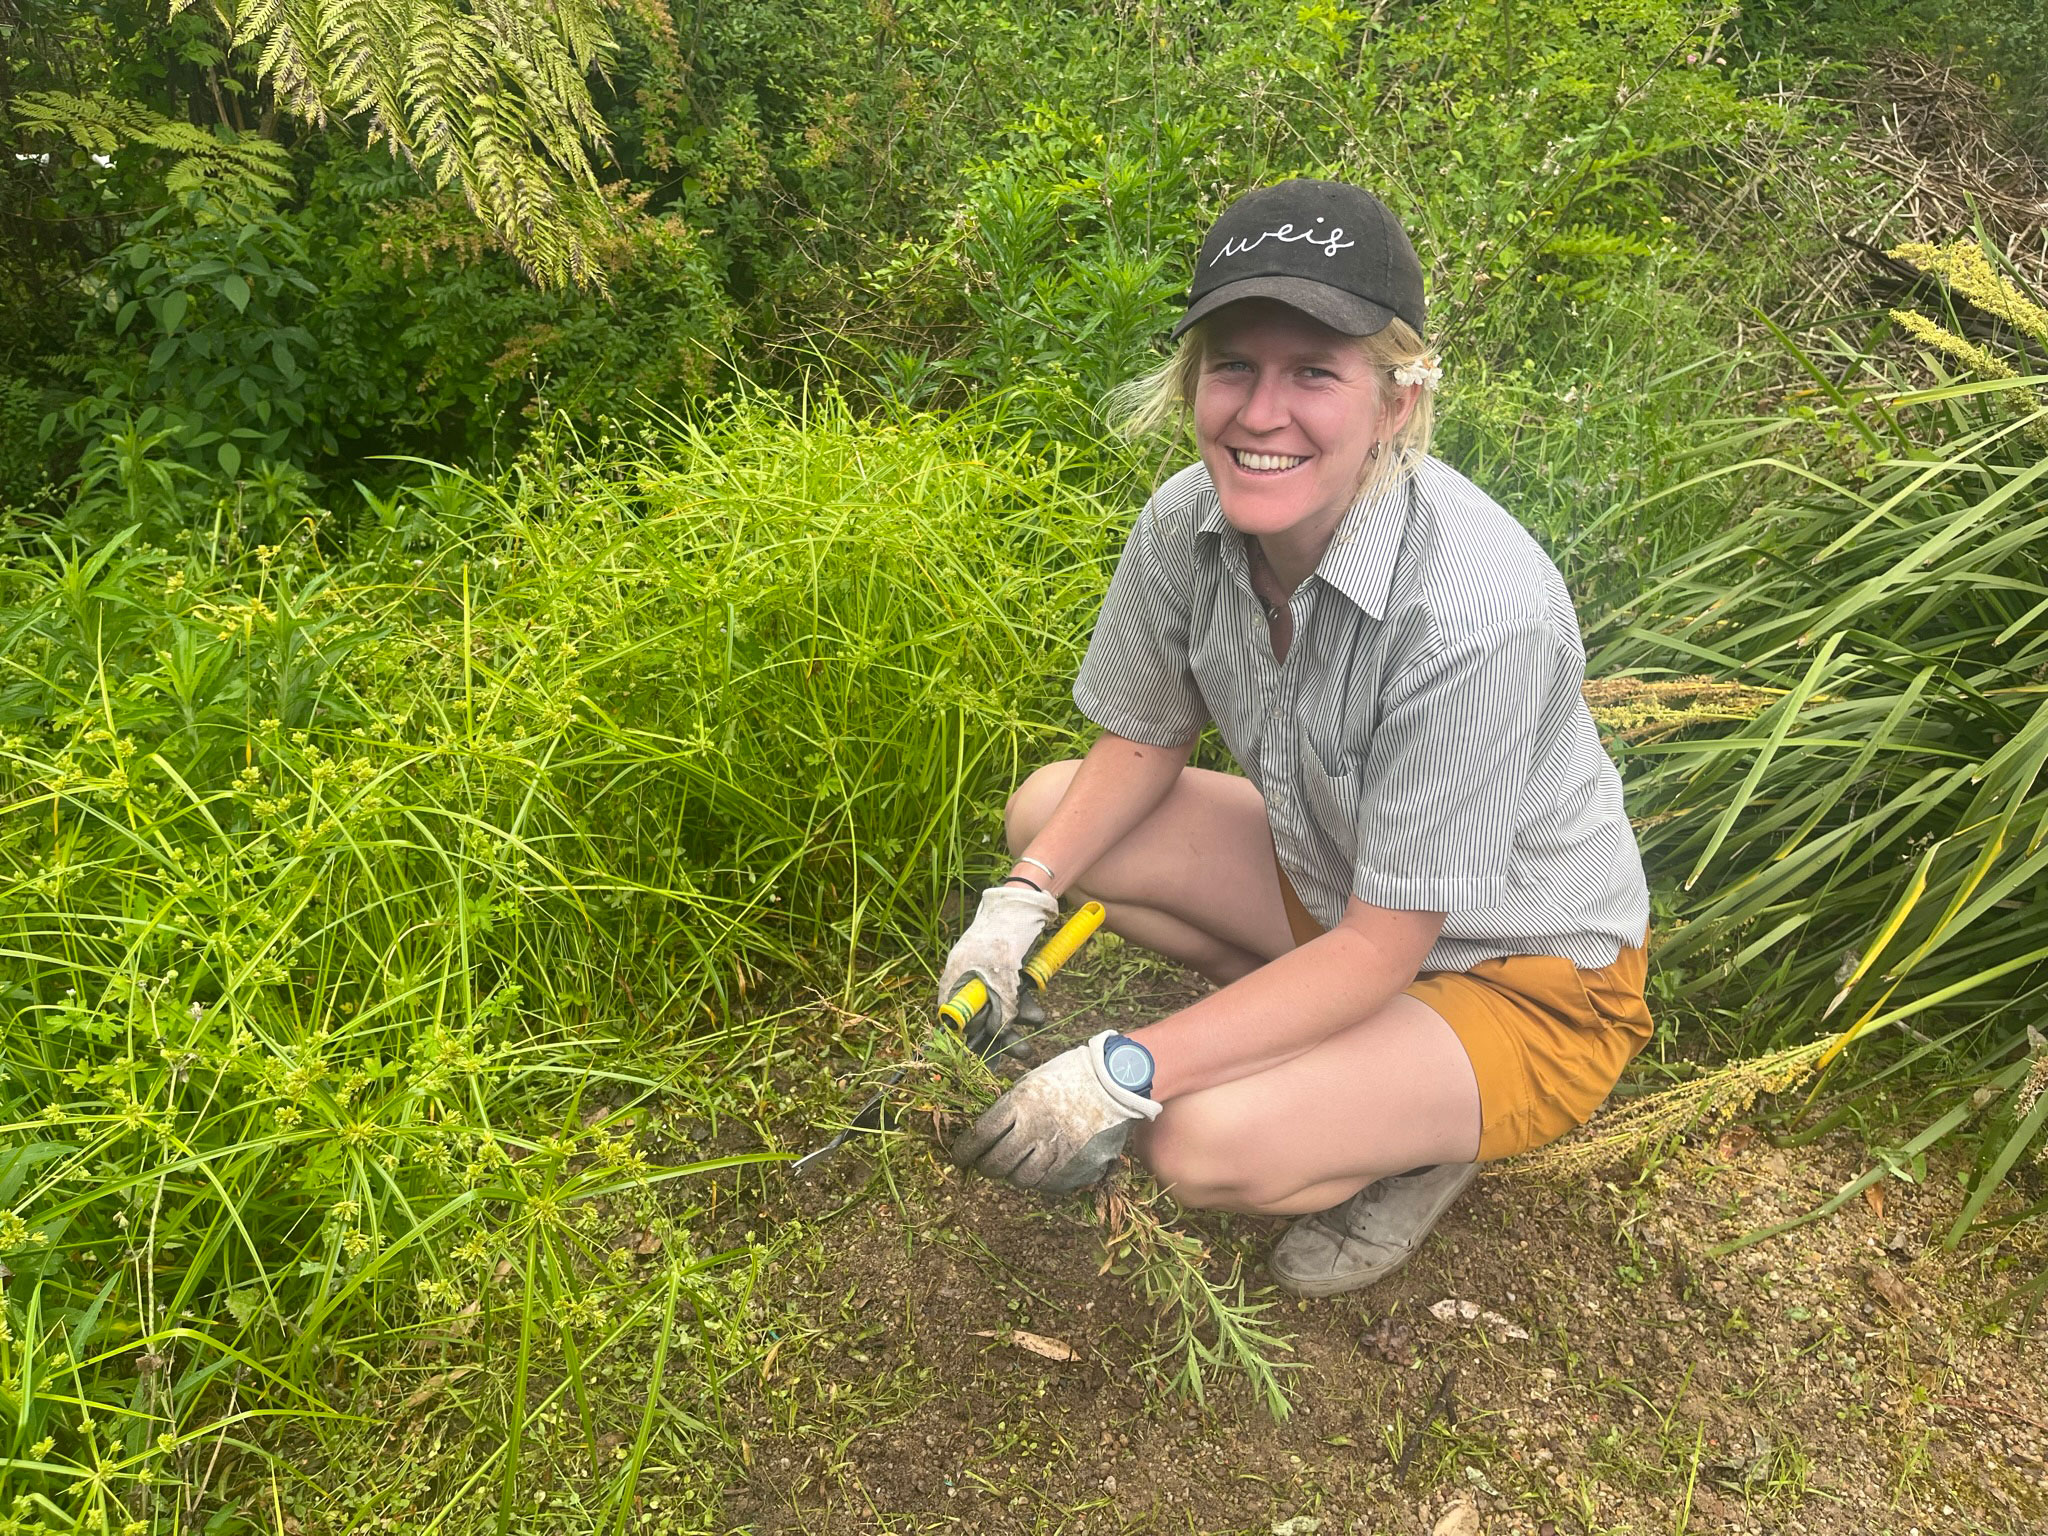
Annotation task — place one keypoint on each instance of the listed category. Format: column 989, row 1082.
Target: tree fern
column 102, row 124
column 490, row 97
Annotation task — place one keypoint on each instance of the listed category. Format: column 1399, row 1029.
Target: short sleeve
column 1136, row 680
column 1448, row 767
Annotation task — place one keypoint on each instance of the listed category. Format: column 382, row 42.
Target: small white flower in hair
column 1424, row 373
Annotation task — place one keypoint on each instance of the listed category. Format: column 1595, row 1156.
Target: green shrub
column 431, row 343
column 195, row 333
column 24, row 480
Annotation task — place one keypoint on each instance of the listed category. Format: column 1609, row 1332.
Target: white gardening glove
column 1062, row 1126
column 1005, row 926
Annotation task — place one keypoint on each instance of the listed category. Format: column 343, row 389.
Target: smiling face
column 1286, row 413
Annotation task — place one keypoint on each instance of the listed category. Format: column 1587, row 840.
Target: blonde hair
column 1158, row 403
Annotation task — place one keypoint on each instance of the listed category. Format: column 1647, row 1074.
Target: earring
column 1373, row 453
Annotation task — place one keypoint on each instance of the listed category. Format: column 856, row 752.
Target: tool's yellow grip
column 968, row 1000
column 1065, row 944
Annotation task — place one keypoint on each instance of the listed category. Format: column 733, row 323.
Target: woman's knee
column 1031, row 803
column 1198, row 1148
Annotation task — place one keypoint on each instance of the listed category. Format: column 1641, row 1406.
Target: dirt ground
column 1611, row 1374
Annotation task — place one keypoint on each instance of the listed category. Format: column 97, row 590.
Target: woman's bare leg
column 1194, row 881
column 1392, row 1093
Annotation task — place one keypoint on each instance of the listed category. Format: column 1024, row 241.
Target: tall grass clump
column 871, row 629
column 364, row 913
column 1868, row 851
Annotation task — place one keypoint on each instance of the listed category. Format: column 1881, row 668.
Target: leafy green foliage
column 85, row 90
column 302, row 346
column 101, row 125
column 203, row 306
column 489, row 99
column 1073, row 251
column 891, row 196
column 1561, row 167
column 23, row 481
column 429, row 343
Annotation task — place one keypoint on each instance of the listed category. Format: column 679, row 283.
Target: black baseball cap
column 1332, row 251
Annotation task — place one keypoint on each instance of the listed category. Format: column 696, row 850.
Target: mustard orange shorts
column 1547, row 1040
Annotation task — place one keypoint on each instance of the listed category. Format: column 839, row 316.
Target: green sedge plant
column 363, row 917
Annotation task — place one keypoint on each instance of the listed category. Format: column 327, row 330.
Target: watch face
column 1130, row 1065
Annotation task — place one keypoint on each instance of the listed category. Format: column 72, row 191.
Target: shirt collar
column 1360, row 560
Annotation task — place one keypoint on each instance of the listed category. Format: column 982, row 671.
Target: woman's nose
column 1265, row 408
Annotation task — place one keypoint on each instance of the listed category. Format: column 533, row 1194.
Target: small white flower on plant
column 198, row 1011
column 1424, row 373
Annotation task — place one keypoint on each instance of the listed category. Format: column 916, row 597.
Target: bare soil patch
column 1850, row 1376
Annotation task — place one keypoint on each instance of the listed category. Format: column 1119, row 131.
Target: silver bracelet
column 1027, row 859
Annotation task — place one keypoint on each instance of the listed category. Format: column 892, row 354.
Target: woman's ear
column 1404, row 399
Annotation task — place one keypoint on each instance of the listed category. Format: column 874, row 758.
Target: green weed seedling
column 1206, row 1327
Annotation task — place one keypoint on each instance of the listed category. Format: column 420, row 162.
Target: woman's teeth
column 1267, row 460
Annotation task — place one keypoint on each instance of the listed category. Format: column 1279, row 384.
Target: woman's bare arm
column 1119, row 783
column 1292, row 1003
column 1279, row 1010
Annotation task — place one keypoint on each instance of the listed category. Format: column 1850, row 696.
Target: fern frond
column 98, row 124
column 489, row 96
column 292, row 57
column 102, row 124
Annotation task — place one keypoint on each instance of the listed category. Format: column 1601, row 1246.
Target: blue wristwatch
column 1129, row 1064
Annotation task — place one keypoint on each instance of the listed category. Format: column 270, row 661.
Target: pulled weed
column 1206, row 1326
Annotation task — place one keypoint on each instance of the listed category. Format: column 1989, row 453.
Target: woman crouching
column 1422, row 904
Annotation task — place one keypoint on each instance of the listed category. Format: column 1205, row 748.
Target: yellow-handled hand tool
column 970, row 1011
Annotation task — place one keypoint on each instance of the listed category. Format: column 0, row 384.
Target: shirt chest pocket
column 1331, row 789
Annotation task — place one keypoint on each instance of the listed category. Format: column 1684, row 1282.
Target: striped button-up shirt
column 1424, row 745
